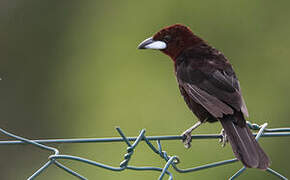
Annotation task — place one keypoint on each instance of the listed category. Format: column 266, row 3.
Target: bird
column 211, row 90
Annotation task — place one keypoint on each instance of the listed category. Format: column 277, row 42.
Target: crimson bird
column 210, row 89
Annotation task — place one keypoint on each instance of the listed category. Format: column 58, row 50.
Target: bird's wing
column 217, row 90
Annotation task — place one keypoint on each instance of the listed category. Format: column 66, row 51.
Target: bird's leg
column 186, row 135
column 224, row 139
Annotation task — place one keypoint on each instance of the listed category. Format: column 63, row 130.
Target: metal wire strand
column 172, row 161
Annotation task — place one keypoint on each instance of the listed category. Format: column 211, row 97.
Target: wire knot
column 253, row 126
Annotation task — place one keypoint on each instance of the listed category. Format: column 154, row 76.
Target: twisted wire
column 172, row 161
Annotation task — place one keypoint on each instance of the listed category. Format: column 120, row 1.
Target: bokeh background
column 71, row 69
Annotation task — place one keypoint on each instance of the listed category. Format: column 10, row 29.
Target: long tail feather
column 243, row 143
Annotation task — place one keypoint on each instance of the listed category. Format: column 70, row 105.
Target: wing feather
column 216, row 89
column 213, row 105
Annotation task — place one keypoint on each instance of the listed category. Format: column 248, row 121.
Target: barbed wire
column 170, row 160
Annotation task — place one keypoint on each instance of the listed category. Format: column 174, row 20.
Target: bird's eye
column 167, row 38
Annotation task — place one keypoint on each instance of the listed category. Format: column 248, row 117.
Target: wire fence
column 169, row 160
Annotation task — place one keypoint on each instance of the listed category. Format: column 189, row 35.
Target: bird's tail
column 243, row 143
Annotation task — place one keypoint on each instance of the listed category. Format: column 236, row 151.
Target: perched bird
column 210, row 89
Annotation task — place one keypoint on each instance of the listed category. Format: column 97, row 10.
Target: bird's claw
column 186, row 139
column 224, row 138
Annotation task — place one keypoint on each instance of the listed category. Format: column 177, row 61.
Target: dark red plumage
column 210, row 88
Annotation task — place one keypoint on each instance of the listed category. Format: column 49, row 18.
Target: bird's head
column 171, row 40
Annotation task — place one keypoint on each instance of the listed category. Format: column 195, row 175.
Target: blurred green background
column 70, row 69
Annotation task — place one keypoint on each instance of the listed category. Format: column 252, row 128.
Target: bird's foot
column 186, row 135
column 186, row 138
column 224, row 139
